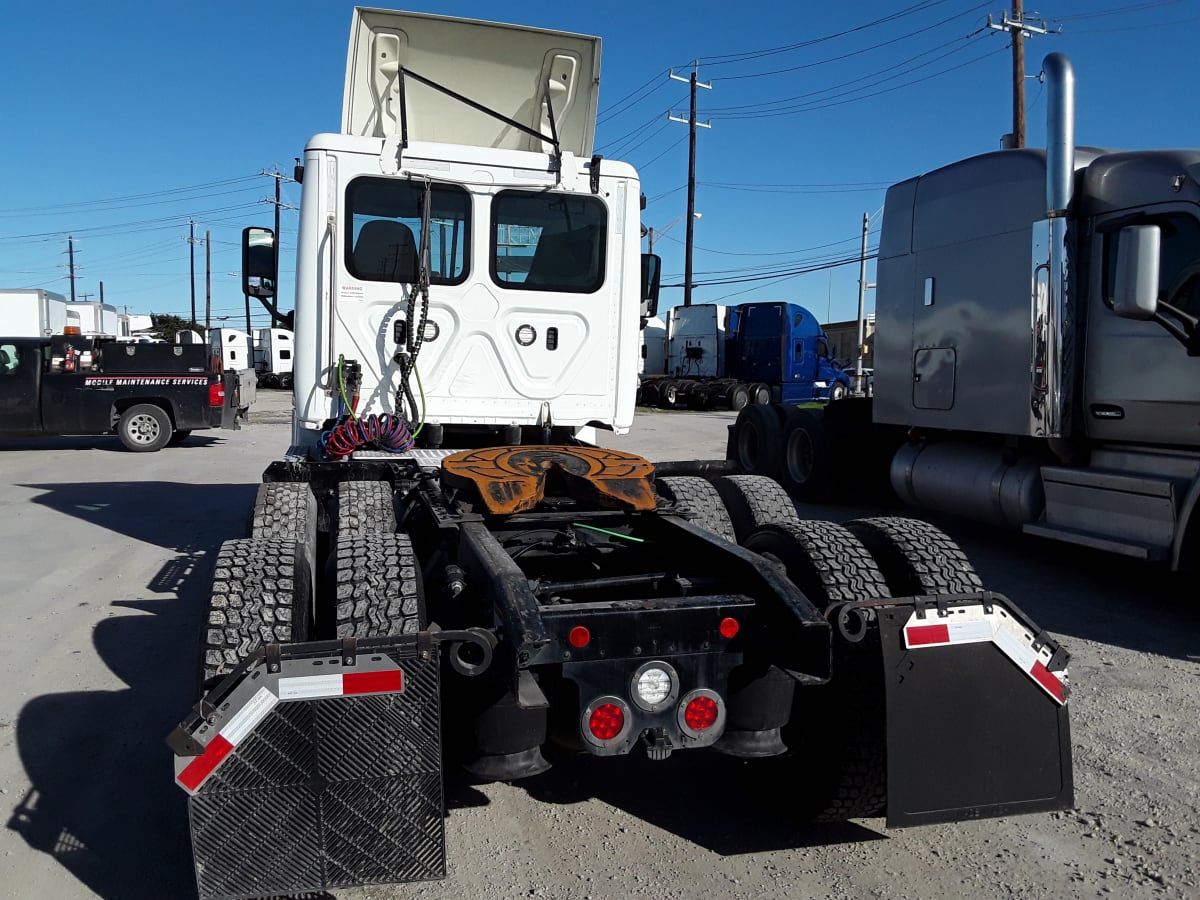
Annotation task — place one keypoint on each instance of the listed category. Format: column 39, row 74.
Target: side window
column 544, row 241
column 822, row 348
column 9, row 359
column 1179, row 262
column 384, row 227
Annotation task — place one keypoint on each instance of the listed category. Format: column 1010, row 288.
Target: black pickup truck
column 151, row 395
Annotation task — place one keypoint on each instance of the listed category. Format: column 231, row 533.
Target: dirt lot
column 106, row 557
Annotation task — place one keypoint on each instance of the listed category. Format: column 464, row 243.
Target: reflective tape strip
column 308, row 687
column 972, row 625
column 241, row 724
column 304, row 687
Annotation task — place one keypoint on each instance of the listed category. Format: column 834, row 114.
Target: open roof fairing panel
column 502, row 67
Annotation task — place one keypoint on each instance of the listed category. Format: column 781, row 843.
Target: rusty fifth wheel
column 514, row 479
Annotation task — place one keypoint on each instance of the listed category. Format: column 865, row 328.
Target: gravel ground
column 107, row 556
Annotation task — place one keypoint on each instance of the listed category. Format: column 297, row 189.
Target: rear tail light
column 728, row 627
column 701, row 712
column 216, row 394
column 606, row 721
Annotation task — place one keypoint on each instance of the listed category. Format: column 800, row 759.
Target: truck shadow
column 103, row 803
column 747, row 806
column 179, row 517
column 103, row 442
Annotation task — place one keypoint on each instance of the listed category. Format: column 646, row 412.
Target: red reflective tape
column 1048, row 680
column 928, row 634
column 372, row 682
column 202, row 766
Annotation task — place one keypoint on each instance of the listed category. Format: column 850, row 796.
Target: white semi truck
column 1037, row 355
column 443, row 565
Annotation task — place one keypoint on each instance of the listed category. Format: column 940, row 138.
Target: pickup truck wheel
column 808, row 458
column 758, row 440
column 697, row 495
column 179, row 436
column 365, row 507
column 377, row 586
column 754, row 501
column 144, row 428
column 916, row 557
column 260, row 595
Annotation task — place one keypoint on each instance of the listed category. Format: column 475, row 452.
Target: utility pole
column 207, row 282
column 691, row 204
column 191, row 239
column 71, row 264
column 1019, row 29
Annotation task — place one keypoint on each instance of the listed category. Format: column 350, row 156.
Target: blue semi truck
column 731, row 356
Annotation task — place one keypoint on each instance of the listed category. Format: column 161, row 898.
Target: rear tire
column 260, row 594
column 365, row 507
column 760, row 394
column 668, row 395
column 807, row 471
column 376, row 585
column 758, row 440
column 916, row 557
column 826, row 561
column 739, row 397
column 754, row 501
column 697, row 495
column 144, row 428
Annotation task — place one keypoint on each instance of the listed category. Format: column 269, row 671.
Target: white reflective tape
column 307, row 686
column 970, row 624
column 246, row 718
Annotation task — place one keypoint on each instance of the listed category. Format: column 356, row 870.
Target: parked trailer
column 1008, row 392
column 446, row 568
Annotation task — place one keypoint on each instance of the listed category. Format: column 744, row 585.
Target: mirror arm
column 1183, row 327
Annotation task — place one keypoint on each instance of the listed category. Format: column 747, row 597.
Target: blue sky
column 124, row 120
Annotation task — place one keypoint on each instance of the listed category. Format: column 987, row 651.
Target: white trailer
column 273, row 357
column 32, row 312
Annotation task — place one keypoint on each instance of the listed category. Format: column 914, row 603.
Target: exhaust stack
column 1052, row 369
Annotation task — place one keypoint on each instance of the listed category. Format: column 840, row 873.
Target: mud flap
column 977, row 722
column 317, row 767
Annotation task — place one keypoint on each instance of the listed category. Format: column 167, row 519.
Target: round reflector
column 579, row 636
column 700, row 713
column 606, row 721
column 728, row 627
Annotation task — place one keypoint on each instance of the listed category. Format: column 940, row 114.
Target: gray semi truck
column 1037, row 358
column 443, row 569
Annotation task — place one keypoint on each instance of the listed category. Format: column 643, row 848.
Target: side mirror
column 651, row 276
column 1135, row 285
column 258, row 262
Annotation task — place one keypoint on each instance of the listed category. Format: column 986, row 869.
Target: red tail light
column 728, row 627
column 216, row 394
column 701, row 713
column 606, row 721
column 579, row 636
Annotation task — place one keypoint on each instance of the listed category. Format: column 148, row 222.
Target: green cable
column 616, row 534
column 342, row 387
